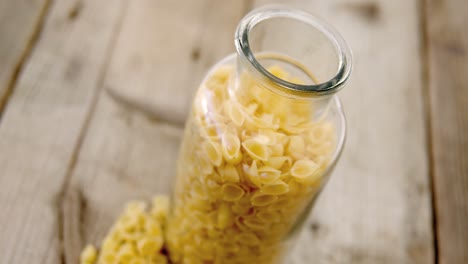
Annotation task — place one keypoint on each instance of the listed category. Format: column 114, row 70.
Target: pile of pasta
column 137, row 236
column 251, row 162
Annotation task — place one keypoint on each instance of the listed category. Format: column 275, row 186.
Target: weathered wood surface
column 42, row 125
column 96, row 116
column 448, row 92
column 20, row 23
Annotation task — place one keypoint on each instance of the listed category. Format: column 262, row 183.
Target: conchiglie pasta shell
column 260, row 199
column 267, row 175
column 269, row 217
column 212, row 131
column 296, row 147
column 277, row 188
column 251, row 173
column 231, row 148
column 230, row 174
column 232, row 192
column 213, row 152
column 256, row 224
column 305, row 171
column 234, row 112
column 320, row 133
column 256, row 149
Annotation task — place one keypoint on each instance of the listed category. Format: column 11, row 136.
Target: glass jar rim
column 342, row 50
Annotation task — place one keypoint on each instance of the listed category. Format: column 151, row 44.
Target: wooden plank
column 20, row 23
column 376, row 207
column 130, row 150
column 42, row 125
column 448, row 93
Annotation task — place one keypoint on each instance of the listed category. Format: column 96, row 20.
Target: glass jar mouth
column 342, row 50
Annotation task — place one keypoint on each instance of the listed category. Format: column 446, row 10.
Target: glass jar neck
column 292, row 54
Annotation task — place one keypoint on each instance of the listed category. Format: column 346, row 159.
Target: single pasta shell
column 231, row 147
column 234, row 112
column 232, row 192
column 296, row 147
column 269, row 217
column 277, row 149
column 277, row 188
column 278, row 162
column 264, row 122
column 205, row 164
column 256, row 149
column 256, row 224
column 213, row 152
column 230, row 174
column 305, row 171
column 251, row 173
column 260, row 199
column 267, row 175
column 320, row 133
column 212, row 131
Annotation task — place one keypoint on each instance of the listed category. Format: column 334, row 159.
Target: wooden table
column 93, row 95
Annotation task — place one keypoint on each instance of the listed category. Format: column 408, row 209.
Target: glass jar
column 265, row 131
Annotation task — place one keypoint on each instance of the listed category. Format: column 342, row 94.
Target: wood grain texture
column 20, row 23
column 42, row 123
column 130, row 150
column 376, row 207
column 448, row 91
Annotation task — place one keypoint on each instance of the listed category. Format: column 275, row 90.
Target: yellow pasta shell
column 232, row 192
column 213, row 152
column 231, row 148
column 267, row 175
column 305, row 171
column 256, row 149
column 229, row 173
column 252, row 173
column 260, row 199
column 276, row 188
column 234, row 112
column 278, row 162
column 296, row 147
column 269, row 217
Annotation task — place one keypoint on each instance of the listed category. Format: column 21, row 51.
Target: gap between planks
column 76, row 150
column 25, row 55
column 425, row 61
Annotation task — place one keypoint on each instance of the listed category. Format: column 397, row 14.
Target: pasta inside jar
column 247, row 172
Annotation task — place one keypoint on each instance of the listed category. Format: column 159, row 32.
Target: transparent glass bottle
column 265, row 131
